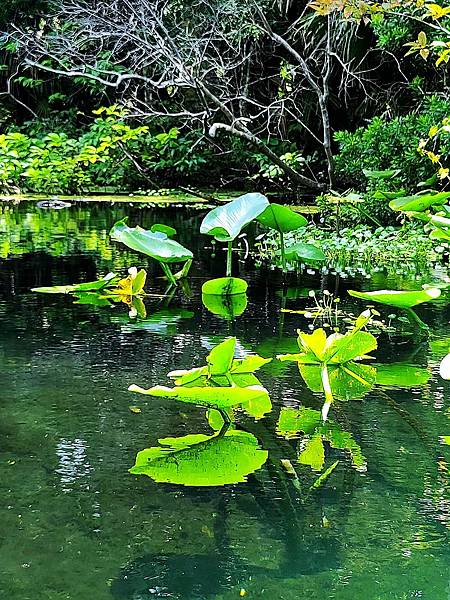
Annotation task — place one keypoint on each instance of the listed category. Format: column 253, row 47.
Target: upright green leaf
column 281, row 218
column 157, row 244
column 226, row 222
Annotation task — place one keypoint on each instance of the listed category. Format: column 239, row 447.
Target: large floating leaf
column 200, row 460
column 304, row 253
column 210, row 397
column 281, row 218
column 157, row 244
column 229, row 306
column 419, row 202
column 90, row 286
column 401, row 375
column 398, row 298
column 224, row 286
column 226, row 222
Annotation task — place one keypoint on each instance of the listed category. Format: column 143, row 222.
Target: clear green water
column 75, row 525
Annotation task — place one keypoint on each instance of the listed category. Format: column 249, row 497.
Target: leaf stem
column 168, row 273
column 283, row 252
column 229, row 257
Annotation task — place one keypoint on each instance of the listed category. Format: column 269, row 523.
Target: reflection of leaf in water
column 159, row 322
column 313, row 454
column 292, row 422
column 91, row 298
column 201, row 460
column 401, row 375
column 228, row 307
column 348, row 381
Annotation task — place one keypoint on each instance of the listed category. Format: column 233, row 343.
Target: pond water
column 74, row 524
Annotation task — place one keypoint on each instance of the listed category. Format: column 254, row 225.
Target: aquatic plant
column 284, row 220
column 225, row 223
column 90, row 286
column 223, row 383
column 328, row 363
column 398, row 298
column 156, row 243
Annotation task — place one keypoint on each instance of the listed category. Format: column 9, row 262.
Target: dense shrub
column 391, row 144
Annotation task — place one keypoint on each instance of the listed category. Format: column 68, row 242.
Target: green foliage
column 399, row 298
column 391, row 144
column 224, row 286
column 57, row 163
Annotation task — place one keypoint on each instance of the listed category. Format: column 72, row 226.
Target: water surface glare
column 75, row 525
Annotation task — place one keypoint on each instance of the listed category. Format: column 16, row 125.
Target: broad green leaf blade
column 347, row 382
column 281, row 218
column 401, row 375
column 398, row 298
column 257, row 408
column 226, row 222
column 313, row 343
column 154, row 244
column 200, row 460
column 341, row 349
column 224, row 286
column 210, row 397
column 228, row 306
column 313, row 453
column 91, row 286
column 220, row 359
column 292, row 421
column 419, row 202
column 304, row 253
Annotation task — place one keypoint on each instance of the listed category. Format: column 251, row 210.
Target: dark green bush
column 391, row 144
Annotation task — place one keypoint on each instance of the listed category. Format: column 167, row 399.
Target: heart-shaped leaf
column 281, row 218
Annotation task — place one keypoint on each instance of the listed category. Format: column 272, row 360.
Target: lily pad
column 301, row 252
column 398, row 298
column 224, row 286
column 419, row 202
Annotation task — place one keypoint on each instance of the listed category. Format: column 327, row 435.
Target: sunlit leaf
column 401, row 375
column 398, row 298
column 226, row 222
column 419, row 202
column 157, row 245
column 224, row 286
column 215, row 397
column 90, row 286
column 281, row 218
column 302, row 252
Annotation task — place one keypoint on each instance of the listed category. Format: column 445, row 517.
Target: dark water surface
column 74, row 524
